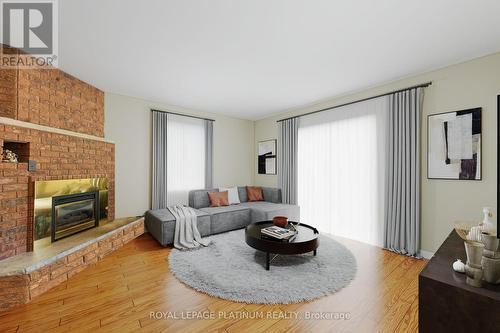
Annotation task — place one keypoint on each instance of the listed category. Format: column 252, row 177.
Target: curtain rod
column 422, row 85
column 181, row 114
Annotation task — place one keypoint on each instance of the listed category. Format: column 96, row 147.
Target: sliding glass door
column 341, row 170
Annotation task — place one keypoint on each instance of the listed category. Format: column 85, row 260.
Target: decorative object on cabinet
column 459, row 266
column 446, row 303
column 475, row 234
column 491, row 258
column 487, row 222
column 473, row 268
column 491, row 270
column 483, row 251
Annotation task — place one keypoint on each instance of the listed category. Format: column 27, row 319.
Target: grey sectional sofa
column 213, row 220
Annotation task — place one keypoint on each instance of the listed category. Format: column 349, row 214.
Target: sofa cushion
column 228, row 217
column 265, row 211
column 199, row 198
column 272, row 194
column 254, row 193
column 218, row 199
column 232, row 193
column 242, row 193
column 161, row 224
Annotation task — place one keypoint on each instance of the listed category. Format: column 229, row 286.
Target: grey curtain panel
column 402, row 211
column 159, row 176
column 159, row 180
column 287, row 159
column 209, row 153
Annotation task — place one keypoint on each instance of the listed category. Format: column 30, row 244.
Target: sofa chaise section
column 161, row 225
column 265, row 211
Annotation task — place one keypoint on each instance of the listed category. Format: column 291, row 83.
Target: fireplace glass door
column 74, row 213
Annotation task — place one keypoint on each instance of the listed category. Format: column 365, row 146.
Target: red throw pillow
column 254, row 193
column 218, row 199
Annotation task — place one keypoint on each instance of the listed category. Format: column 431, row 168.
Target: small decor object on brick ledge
column 9, row 156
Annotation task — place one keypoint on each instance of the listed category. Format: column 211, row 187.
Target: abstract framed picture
column 454, row 145
column 267, row 157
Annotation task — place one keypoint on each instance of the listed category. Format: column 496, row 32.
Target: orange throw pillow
column 254, row 193
column 218, row 199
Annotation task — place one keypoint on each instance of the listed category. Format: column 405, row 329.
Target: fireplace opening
column 73, row 213
column 45, row 190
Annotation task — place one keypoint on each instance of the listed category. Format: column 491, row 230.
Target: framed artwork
column 267, row 157
column 454, row 145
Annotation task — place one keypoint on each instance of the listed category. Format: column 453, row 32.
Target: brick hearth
column 19, row 286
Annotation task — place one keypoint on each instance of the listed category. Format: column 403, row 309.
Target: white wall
column 471, row 84
column 128, row 124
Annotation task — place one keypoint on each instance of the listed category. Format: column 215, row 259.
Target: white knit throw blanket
column 186, row 234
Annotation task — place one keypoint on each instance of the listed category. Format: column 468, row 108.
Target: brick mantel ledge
column 19, row 123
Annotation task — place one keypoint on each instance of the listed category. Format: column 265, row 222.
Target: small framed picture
column 454, row 145
column 267, row 157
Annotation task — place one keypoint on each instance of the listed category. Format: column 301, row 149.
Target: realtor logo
column 31, row 27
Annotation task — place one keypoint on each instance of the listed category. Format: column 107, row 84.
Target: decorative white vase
column 487, row 225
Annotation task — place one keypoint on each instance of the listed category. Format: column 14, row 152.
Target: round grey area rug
column 230, row 269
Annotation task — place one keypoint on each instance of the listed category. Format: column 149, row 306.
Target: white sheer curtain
column 341, row 170
column 185, row 157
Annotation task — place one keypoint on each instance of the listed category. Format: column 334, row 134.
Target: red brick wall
column 8, row 96
column 58, row 157
column 8, row 88
column 51, row 98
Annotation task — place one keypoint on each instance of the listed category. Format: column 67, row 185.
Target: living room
column 194, row 166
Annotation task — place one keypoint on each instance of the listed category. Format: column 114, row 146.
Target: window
column 182, row 157
column 185, row 157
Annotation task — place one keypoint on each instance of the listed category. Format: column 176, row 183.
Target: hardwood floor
column 119, row 293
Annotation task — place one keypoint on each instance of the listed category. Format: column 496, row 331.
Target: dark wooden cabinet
column 447, row 303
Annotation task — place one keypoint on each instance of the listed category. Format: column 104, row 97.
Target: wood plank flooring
column 119, row 293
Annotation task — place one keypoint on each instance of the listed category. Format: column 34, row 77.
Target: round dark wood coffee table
column 305, row 241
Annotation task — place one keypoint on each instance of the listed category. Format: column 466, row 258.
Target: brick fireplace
column 57, row 122
column 54, row 123
column 57, row 157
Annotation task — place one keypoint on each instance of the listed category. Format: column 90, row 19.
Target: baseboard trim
column 426, row 254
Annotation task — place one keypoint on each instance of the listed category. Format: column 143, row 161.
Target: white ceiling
column 253, row 58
